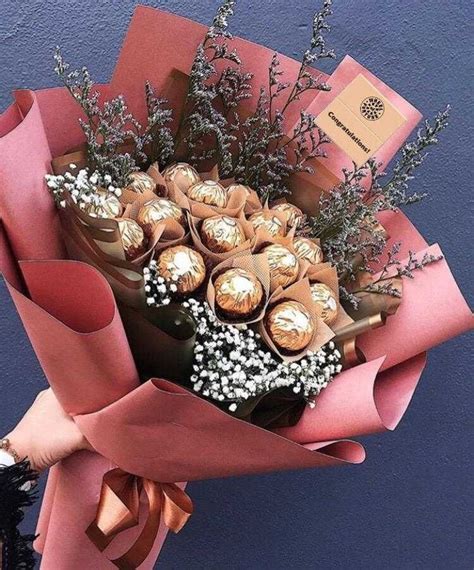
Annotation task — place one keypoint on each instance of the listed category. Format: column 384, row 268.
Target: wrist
column 16, row 444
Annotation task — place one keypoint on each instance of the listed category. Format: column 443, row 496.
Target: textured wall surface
column 410, row 505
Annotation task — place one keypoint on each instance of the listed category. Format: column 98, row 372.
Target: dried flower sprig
column 347, row 224
column 393, row 268
column 159, row 135
column 233, row 364
column 107, row 128
column 267, row 157
column 205, row 130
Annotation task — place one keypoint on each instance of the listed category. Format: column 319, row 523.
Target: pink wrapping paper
column 160, row 48
column 25, row 204
column 158, row 429
column 73, row 324
column 180, row 436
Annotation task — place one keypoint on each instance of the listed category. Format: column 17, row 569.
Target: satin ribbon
column 119, row 508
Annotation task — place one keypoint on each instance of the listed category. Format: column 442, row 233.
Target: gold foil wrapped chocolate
column 181, row 174
column 294, row 216
column 141, row 182
column 325, row 299
column 182, row 266
column 268, row 221
column 308, row 250
column 290, row 326
column 283, row 264
column 104, row 205
column 238, row 292
column 221, row 234
column 133, row 238
column 155, row 211
column 208, row 192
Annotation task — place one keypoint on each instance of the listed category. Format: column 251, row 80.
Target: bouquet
column 214, row 271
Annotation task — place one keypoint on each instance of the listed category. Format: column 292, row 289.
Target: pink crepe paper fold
column 360, row 401
column 8, row 264
column 26, row 208
column 160, row 45
column 158, row 430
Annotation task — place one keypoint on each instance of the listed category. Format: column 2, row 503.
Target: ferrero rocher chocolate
column 208, row 192
column 182, row 266
column 308, row 250
column 294, row 216
column 182, row 174
column 324, row 298
column 141, row 182
column 238, row 292
column 265, row 219
column 290, row 326
column 283, row 264
column 133, row 238
column 155, row 211
column 221, row 234
column 104, row 205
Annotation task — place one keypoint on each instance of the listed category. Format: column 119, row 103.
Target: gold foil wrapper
column 238, row 292
column 290, row 326
column 183, row 266
column 155, row 211
column 294, row 216
column 324, row 297
column 208, row 192
column 133, row 238
column 104, row 205
column 283, row 265
column 181, row 174
column 221, row 234
column 308, row 250
column 266, row 220
column 141, row 182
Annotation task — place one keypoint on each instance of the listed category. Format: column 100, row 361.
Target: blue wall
column 410, row 505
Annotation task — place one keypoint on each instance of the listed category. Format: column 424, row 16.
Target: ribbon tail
column 117, row 510
column 177, row 507
column 164, row 499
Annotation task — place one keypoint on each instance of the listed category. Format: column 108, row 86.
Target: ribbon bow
column 119, row 507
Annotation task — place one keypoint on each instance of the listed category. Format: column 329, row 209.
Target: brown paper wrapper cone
column 124, row 278
column 235, row 205
column 300, row 292
column 216, row 258
column 252, row 202
column 168, row 233
column 263, row 238
column 256, row 264
column 325, row 273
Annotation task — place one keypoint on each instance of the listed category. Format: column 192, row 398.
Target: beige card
column 360, row 120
